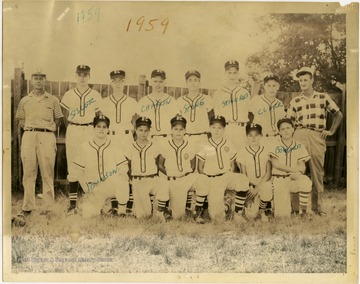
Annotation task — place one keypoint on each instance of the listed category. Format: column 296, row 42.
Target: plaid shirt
column 311, row 113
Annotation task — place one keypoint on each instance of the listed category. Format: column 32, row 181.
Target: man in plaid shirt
column 308, row 111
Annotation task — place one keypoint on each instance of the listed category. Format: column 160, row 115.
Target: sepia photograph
column 180, row 142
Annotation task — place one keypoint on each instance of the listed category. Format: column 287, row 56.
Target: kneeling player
column 177, row 161
column 216, row 165
column 146, row 183
column 288, row 158
column 254, row 162
column 103, row 168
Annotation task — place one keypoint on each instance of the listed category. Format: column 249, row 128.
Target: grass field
column 103, row 244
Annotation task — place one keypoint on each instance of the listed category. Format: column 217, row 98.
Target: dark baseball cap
column 83, row 69
column 100, row 118
column 284, row 120
column 253, row 127
column 117, row 73
column 191, row 73
column 271, row 77
column 143, row 121
column 158, row 72
column 178, row 120
column 231, row 63
column 218, row 119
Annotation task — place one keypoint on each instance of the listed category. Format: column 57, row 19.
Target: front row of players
column 165, row 173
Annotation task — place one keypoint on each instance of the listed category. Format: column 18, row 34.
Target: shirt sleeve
column 291, row 112
column 209, row 103
column 66, row 101
column 57, row 109
column 241, row 156
column 20, row 112
column 331, row 106
column 303, row 154
column 98, row 100
column 217, row 102
column 252, row 105
column 201, row 154
column 233, row 152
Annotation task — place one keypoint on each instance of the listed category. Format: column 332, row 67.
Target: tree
column 296, row 40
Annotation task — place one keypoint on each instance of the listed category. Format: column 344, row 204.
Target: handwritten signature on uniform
column 78, row 110
column 270, row 108
column 240, row 98
column 92, row 185
column 187, row 108
column 155, row 105
column 279, row 149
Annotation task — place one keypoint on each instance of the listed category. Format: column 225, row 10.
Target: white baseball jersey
column 267, row 113
column 177, row 159
column 196, row 112
column 99, row 162
column 217, row 157
column 81, row 106
column 120, row 112
column 254, row 161
column 288, row 156
column 232, row 104
column 143, row 160
column 159, row 111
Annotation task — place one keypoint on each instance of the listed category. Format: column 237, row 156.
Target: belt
column 199, row 133
column 175, row 178
column 280, row 176
column 272, row 135
column 39, row 130
column 80, row 124
column 237, row 123
column 141, row 177
column 114, row 132
column 219, row 175
column 162, row 135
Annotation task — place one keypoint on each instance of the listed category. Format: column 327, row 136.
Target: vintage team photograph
column 182, row 139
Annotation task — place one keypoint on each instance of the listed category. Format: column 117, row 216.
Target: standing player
column 288, row 159
column 102, row 166
column 195, row 107
column 38, row 114
column 177, row 162
column 308, row 112
column 216, row 165
column 143, row 158
column 232, row 102
column 81, row 105
column 254, row 162
column 158, row 106
column 267, row 109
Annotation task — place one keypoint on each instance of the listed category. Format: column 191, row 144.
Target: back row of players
column 160, row 144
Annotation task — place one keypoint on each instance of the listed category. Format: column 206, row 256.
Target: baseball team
column 201, row 157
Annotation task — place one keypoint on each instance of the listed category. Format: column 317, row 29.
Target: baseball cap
column 253, row 127
column 192, row 72
column 231, row 63
column 178, row 120
column 38, row 72
column 117, row 73
column 271, row 77
column 100, row 118
column 158, row 72
column 218, row 119
column 284, row 120
column 83, row 69
column 143, row 121
column 304, row 70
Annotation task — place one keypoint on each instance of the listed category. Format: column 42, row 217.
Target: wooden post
column 141, row 87
column 339, row 160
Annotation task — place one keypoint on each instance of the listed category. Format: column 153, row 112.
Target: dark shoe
column 258, row 216
column 26, row 213
column 18, row 220
column 167, row 214
column 228, row 209
column 303, row 214
column 198, row 217
column 294, row 213
column 321, row 213
column 72, row 211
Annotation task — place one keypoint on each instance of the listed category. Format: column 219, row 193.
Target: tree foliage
column 296, row 40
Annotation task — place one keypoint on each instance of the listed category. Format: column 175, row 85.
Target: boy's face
column 271, row 87
column 82, row 78
column 118, row 83
column 178, row 131
column 305, row 82
column 232, row 75
column 158, row 84
column 101, row 130
column 193, row 83
column 286, row 130
column 217, row 130
column 38, row 81
column 142, row 132
column 254, row 138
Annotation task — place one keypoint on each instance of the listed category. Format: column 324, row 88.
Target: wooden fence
column 335, row 160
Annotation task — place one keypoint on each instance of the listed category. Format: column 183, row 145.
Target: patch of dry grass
column 315, row 244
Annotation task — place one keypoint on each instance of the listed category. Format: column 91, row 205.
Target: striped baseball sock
column 303, row 200
column 240, row 200
column 200, row 202
column 114, row 203
column 130, row 203
column 152, row 198
column 189, row 199
column 73, row 193
column 206, row 203
column 161, row 205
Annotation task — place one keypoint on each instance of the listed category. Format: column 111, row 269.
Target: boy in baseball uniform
column 81, row 105
column 288, row 158
column 158, row 106
column 232, row 102
column 102, row 166
column 38, row 114
column 196, row 108
column 177, row 162
column 143, row 158
column 254, row 162
column 216, row 164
